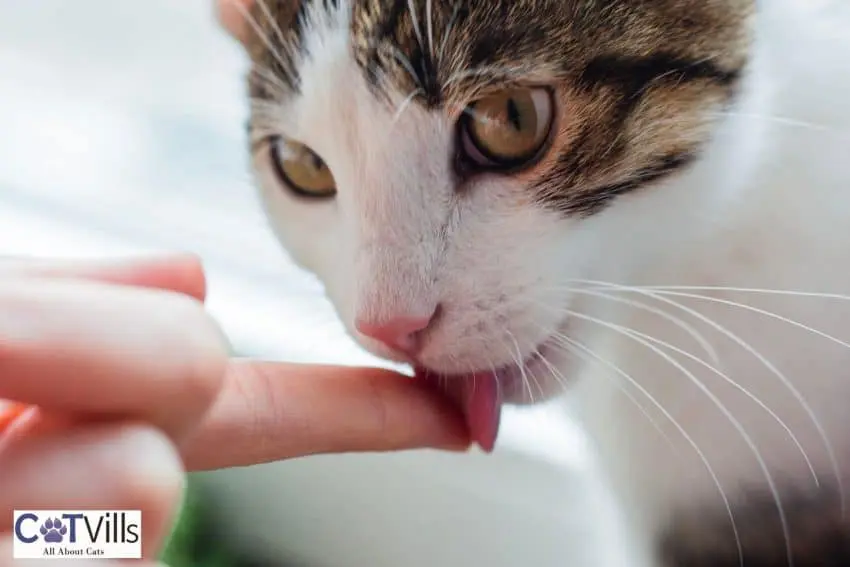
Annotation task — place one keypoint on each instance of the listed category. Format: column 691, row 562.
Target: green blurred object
column 193, row 542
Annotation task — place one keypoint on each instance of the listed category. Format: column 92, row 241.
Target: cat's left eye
column 507, row 130
column 301, row 169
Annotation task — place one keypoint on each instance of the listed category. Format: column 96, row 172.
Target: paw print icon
column 53, row 530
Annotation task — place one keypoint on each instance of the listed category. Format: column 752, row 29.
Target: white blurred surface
column 122, row 131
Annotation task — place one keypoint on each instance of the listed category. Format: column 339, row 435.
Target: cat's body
column 726, row 167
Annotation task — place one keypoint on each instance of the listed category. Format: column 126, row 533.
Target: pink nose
column 398, row 333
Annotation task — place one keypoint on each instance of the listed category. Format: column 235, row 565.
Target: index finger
column 272, row 411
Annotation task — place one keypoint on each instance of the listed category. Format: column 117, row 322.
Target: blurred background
column 121, row 131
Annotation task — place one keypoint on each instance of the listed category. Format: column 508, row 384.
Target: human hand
column 127, row 383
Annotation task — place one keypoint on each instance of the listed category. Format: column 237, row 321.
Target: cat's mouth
column 480, row 395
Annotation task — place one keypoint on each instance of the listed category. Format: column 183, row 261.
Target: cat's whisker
column 726, row 378
column 721, row 407
column 535, row 353
column 415, row 21
column 753, row 290
column 558, row 376
column 679, row 427
column 784, row 121
column 537, row 383
column 269, row 77
column 493, row 368
column 405, row 62
column 756, row 290
column 518, row 361
column 670, row 73
column 762, row 359
column 429, row 24
column 678, row 321
column 488, row 70
column 448, row 31
column 572, row 347
column 758, row 310
column 640, row 92
column 255, row 26
column 540, row 389
column 264, row 8
column 659, row 295
column 405, row 104
column 579, row 350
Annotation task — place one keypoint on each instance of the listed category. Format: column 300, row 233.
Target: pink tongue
column 478, row 398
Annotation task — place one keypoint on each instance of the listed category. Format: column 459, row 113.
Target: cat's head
column 450, row 168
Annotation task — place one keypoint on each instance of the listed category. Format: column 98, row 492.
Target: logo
column 53, row 530
column 76, row 534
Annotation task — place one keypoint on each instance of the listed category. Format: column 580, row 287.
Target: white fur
column 767, row 207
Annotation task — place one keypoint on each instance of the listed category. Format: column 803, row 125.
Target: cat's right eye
column 301, row 169
column 508, row 130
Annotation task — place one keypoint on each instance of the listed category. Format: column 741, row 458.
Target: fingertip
column 272, row 411
column 435, row 422
column 189, row 276
column 181, row 273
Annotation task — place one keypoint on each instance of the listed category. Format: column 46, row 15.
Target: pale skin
column 128, row 385
column 122, row 383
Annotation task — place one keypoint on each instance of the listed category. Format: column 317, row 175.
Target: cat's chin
column 481, row 395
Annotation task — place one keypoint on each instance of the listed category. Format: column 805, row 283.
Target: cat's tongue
column 478, row 398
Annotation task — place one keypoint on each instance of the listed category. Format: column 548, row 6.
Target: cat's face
column 449, row 168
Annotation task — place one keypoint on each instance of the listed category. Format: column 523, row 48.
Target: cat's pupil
column 514, row 115
column 316, row 162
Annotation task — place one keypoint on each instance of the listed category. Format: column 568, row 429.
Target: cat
column 640, row 207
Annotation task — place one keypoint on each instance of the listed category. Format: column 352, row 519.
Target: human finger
column 9, row 413
column 85, row 347
column 98, row 467
column 33, row 420
column 273, row 411
column 180, row 273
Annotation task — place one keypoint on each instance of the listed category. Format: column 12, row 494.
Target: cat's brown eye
column 301, row 169
column 507, row 130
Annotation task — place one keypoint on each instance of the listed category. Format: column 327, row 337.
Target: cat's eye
column 301, row 169
column 507, row 130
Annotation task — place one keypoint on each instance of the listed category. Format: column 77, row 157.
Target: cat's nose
column 399, row 333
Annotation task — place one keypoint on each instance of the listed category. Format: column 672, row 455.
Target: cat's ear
column 232, row 16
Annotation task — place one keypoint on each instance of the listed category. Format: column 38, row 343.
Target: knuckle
column 205, row 356
column 149, row 475
column 265, row 409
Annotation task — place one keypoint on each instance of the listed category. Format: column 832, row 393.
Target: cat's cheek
column 305, row 229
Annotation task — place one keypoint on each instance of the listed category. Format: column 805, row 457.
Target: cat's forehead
column 445, row 48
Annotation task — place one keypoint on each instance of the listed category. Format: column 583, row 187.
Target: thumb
column 180, row 273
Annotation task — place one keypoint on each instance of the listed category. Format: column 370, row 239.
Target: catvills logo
column 75, row 534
